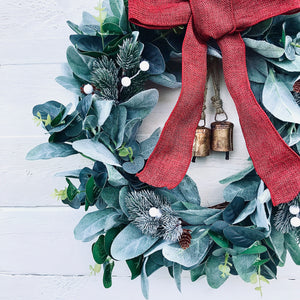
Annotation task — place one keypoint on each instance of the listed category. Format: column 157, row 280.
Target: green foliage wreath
column 149, row 227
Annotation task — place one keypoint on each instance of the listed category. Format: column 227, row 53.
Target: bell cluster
column 219, row 138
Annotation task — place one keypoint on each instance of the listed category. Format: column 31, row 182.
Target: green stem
column 226, row 258
column 162, row 35
column 295, row 45
column 259, row 281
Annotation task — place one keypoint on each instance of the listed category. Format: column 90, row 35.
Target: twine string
column 216, row 100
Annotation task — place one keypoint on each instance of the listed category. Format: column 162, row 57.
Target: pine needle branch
column 129, row 55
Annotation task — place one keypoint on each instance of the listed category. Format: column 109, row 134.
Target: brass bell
column 222, row 137
column 201, row 144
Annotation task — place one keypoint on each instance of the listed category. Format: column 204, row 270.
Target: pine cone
column 185, row 239
column 297, row 86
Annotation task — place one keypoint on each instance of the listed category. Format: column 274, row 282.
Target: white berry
column 88, row 89
column 154, row 212
column 294, row 209
column 126, row 81
column 144, row 66
column 295, row 221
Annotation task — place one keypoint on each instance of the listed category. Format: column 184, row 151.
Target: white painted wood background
column 39, row 258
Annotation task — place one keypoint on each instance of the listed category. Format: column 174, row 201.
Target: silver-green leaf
column 96, row 151
column 279, row 101
column 50, row 150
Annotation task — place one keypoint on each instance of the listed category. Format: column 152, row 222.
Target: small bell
column 222, row 137
column 201, row 144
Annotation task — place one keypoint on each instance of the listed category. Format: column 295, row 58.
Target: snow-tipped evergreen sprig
column 153, row 215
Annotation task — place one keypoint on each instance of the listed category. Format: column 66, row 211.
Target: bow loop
column 162, row 14
column 213, row 18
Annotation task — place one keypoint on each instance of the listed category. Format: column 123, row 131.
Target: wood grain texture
column 39, row 257
column 161, row 287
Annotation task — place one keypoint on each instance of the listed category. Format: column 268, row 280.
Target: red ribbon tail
column 276, row 164
column 171, row 157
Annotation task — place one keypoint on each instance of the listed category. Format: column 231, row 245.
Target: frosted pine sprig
column 153, row 215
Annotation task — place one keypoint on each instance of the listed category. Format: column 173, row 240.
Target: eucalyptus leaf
column 242, row 236
column 166, row 79
column 51, row 108
column 96, row 151
column 257, row 68
column 211, row 220
column 192, row 255
column 78, row 65
column 259, row 217
column 50, row 150
column 135, row 265
column 141, row 104
column 197, row 272
column 264, row 48
column 219, row 239
column 107, row 274
column 246, row 189
column 90, row 122
column 233, row 210
column 213, row 274
column 115, row 178
column 130, row 243
column 144, row 280
column 94, row 222
column 255, row 249
column 287, row 65
column 122, row 199
column 238, row 176
column 98, row 250
column 70, row 174
column 87, row 43
column 196, row 217
column 84, row 106
column 187, row 191
column 74, row 27
column 103, row 109
column 159, row 245
column 290, row 51
column 151, row 266
column 293, row 246
column 177, row 270
column 112, row 28
column 117, row 7
column 110, row 236
column 279, row 101
column 247, row 211
column 135, row 166
column 72, row 118
column 114, row 126
column 244, row 265
column 260, row 28
column 152, row 54
column 219, row 226
column 88, row 19
column 110, row 196
column 70, row 83
column 148, row 145
column 277, row 238
column 90, row 29
column 130, row 132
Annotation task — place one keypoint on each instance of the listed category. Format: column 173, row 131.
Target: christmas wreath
column 152, row 227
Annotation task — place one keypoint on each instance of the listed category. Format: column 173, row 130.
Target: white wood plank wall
column 39, row 258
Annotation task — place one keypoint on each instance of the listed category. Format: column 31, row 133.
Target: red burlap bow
column 276, row 164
